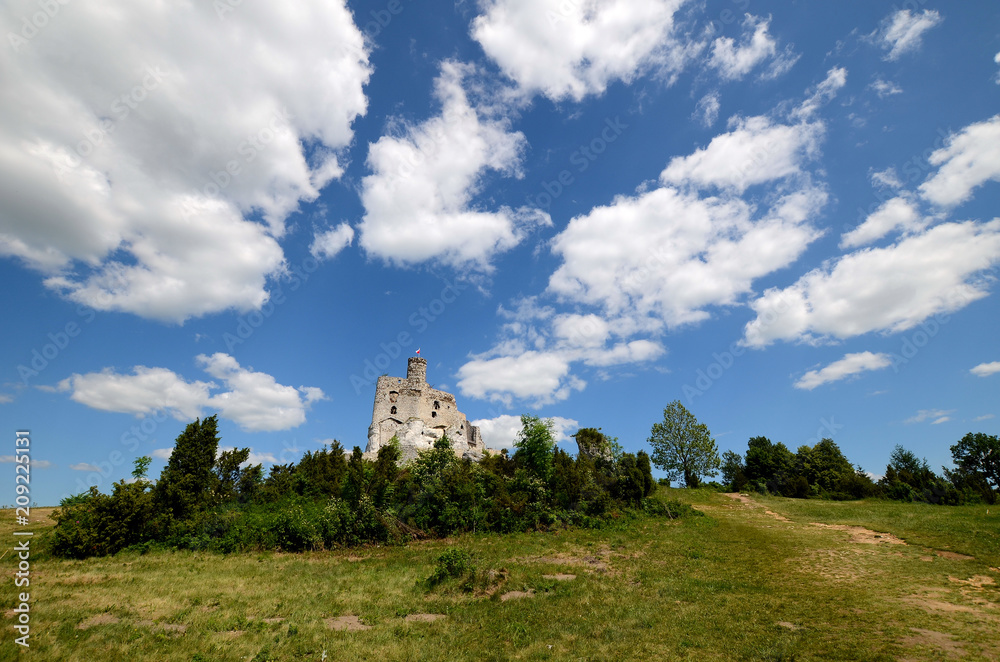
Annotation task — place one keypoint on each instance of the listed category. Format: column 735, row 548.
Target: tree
column 187, row 483
column 683, row 447
column 534, row 445
column 978, row 454
column 732, row 469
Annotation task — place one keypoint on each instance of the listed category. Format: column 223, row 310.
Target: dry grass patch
column 99, row 619
column 346, row 623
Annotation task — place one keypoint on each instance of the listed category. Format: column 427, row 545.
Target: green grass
column 735, row 585
column 973, row 530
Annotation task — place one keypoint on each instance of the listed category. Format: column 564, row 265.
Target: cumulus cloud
column 162, row 453
column 573, row 49
column 755, row 150
column 502, row 431
column 133, row 150
column 669, row 255
column 850, row 365
column 735, row 60
column 903, row 31
column 540, row 377
column 327, row 244
column 986, row 369
column 968, row 160
column 662, row 258
column 418, row 199
column 888, row 289
column 898, row 213
column 254, row 400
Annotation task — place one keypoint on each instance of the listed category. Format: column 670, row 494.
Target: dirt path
column 958, row 601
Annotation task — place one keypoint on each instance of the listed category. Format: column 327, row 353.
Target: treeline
column 823, row 471
column 207, row 500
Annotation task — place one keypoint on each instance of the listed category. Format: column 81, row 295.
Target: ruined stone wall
column 400, row 403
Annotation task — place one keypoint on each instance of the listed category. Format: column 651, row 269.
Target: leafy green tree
column 227, row 473
column 683, row 447
column 824, row 465
column 187, row 483
column 646, row 469
column 770, row 464
column 355, row 484
column 141, row 466
column 732, row 469
column 534, row 445
column 978, row 455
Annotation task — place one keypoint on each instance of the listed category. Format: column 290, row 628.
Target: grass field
column 752, row 580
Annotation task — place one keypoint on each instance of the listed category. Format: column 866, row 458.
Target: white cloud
column 969, row 159
column 501, row 432
column 822, row 94
column 707, row 109
column 754, row 151
column 144, row 391
column 418, row 198
column 162, row 453
column 996, row 59
column 669, row 255
column 902, row 32
column 888, row 289
column 327, row 244
column 540, row 377
column 939, row 416
column 984, row 417
column 117, row 129
column 851, row 364
column 885, row 88
column 574, row 48
column 6, row 399
column 898, row 213
column 887, row 178
column 986, row 369
column 734, row 61
column 83, row 466
column 254, row 400
column 35, row 464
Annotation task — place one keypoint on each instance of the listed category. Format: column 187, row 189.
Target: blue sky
column 782, row 214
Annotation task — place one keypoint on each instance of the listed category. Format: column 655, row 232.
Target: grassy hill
column 756, row 579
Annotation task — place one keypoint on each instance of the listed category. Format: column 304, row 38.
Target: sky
column 782, row 214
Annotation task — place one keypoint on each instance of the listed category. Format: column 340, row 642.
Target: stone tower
column 419, row 415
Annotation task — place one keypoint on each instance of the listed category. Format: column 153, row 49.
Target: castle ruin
column 418, row 415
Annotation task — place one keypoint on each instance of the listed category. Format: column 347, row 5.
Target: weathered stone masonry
column 419, row 415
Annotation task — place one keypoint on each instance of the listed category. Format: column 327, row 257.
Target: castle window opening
column 434, row 414
column 437, row 405
column 393, row 410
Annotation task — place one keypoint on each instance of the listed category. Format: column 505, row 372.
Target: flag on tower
column 418, row 350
